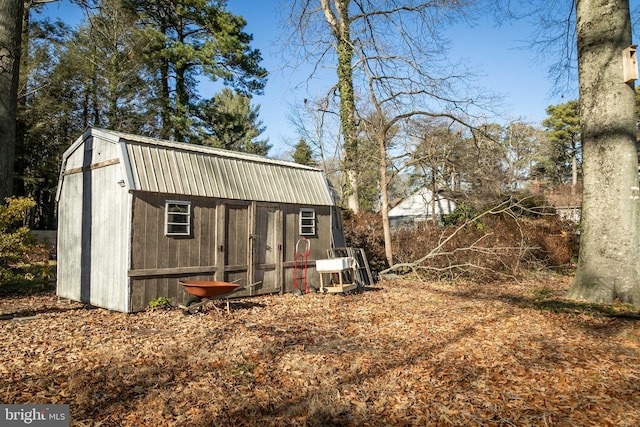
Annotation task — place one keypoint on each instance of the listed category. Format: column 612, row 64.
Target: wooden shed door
column 267, row 249
column 236, row 244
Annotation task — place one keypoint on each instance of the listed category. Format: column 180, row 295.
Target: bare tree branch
column 508, row 207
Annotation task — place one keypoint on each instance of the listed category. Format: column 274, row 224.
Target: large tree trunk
column 340, row 25
column 609, row 264
column 347, row 119
column 11, row 15
column 166, row 130
column 20, row 151
column 179, row 124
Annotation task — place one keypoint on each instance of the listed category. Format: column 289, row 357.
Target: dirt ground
column 401, row 353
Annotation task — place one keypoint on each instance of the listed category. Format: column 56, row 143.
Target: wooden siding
column 254, row 243
column 236, row 244
column 70, row 239
column 93, row 229
column 154, row 253
column 319, row 244
column 92, row 151
column 160, row 261
column 112, row 247
column 267, row 250
column 109, row 239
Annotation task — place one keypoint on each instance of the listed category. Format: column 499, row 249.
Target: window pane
column 182, row 219
column 177, row 229
column 173, row 208
column 178, row 219
column 307, row 222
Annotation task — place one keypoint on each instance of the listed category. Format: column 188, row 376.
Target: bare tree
column 404, row 88
column 309, row 122
column 315, row 123
column 355, row 34
column 394, row 53
column 520, row 146
column 338, row 18
column 435, row 153
column 597, row 32
column 434, row 156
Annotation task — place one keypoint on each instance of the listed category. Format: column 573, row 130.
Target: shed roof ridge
column 185, row 146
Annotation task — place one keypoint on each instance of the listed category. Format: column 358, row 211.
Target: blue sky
column 502, row 65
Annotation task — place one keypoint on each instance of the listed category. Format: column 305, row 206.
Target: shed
column 420, row 206
column 137, row 214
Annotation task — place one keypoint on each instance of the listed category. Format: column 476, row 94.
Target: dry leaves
column 400, row 353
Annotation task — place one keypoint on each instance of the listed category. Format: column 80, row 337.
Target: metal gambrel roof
column 187, row 169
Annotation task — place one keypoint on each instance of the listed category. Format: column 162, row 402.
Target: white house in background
column 420, row 207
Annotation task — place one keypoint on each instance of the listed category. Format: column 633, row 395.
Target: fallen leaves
column 400, row 353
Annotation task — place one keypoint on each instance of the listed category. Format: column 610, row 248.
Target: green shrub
column 160, row 303
column 461, row 214
column 15, row 239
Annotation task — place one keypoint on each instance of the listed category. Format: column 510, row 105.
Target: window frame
column 307, row 225
column 168, row 224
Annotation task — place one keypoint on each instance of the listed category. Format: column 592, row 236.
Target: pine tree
column 563, row 131
column 192, row 38
column 303, row 154
column 229, row 121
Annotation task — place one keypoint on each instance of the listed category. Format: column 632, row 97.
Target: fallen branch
column 457, row 259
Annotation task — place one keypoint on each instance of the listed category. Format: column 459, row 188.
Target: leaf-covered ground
column 399, row 353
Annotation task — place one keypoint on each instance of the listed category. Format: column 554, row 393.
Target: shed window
column 178, row 218
column 307, row 222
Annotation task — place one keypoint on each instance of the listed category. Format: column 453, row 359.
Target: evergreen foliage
column 461, row 214
column 232, row 123
column 192, row 38
column 563, row 132
column 303, row 154
column 132, row 66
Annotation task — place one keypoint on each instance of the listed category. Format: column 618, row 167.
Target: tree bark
column 384, row 197
column 20, row 151
column 574, row 164
column 340, row 26
column 11, row 15
column 165, row 101
column 608, row 268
